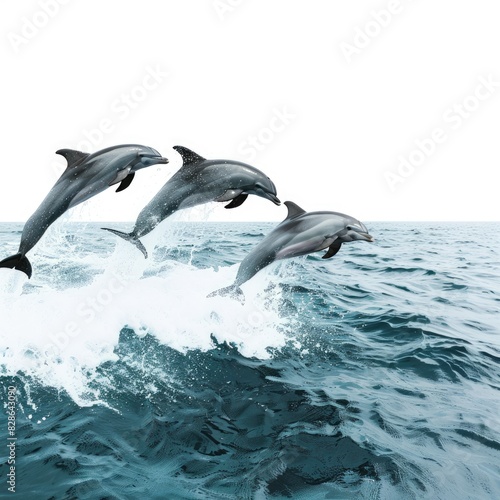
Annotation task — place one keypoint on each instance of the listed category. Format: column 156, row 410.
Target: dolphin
column 85, row 176
column 301, row 233
column 200, row 181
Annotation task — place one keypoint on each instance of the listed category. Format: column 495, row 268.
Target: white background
column 232, row 65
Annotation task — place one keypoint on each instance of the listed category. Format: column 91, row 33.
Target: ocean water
column 375, row 374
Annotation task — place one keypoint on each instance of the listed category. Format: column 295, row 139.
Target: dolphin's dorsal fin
column 72, row 156
column 293, row 210
column 188, row 157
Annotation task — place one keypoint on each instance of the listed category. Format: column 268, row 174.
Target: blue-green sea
column 371, row 375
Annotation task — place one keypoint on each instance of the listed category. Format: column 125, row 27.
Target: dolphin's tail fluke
column 129, row 237
column 19, row 262
column 233, row 291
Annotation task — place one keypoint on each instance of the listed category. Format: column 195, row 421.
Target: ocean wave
column 370, row 375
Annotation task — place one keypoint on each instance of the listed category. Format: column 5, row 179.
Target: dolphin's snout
column 148, row 159
column 157, row 158
column 273, row 198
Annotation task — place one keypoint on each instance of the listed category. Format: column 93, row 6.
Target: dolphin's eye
column 349, row 228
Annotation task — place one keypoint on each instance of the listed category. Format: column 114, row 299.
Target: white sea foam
column 60, row 336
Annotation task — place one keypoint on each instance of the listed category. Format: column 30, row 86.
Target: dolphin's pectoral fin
column 19, row 262
column 230, row 194
column 332, row 249
column 293, row 210
column 72, row 156
column 126, row 182
column 237, row 201
column 120, row 176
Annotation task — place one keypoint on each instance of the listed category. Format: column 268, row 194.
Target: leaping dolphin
column 301, row 233
column 85, row 176
column 200, row 181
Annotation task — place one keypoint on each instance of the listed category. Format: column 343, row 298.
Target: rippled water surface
column 374, row 374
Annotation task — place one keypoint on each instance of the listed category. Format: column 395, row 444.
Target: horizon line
column 256, row 221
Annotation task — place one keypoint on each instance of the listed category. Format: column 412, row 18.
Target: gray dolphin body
column 301, row 233
column 200, row 181
column 85, row 176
